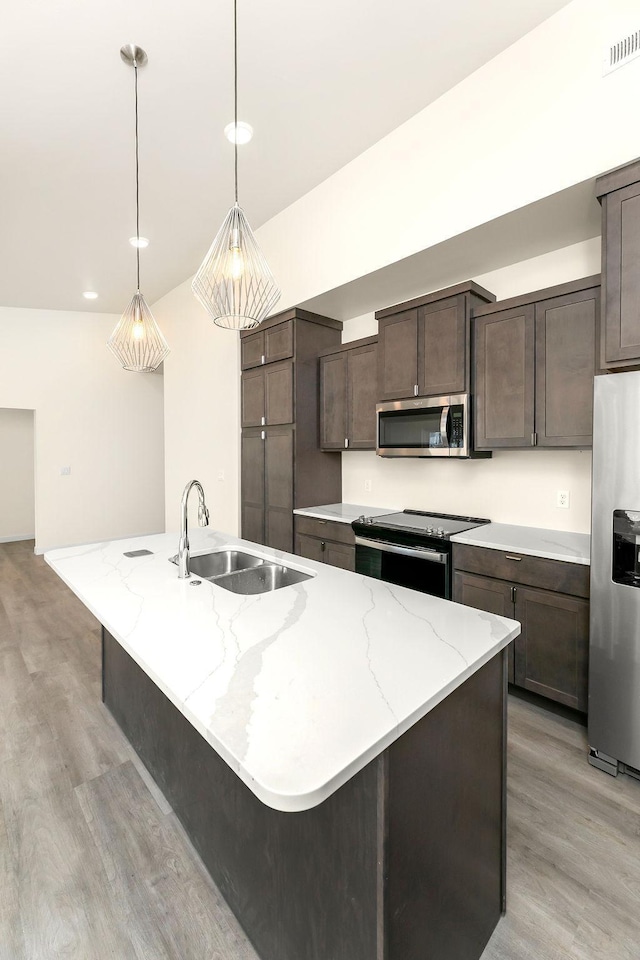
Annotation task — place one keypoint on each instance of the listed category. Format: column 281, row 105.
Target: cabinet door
column 442, row 338
column 565, row 366
column 278, row 392
column 504, row 379
column 252, row 395
column 398, row 356
column 252, row 350
column 552, row 656
column 493, row 596
column 309, row 547
column 362, row 383
column 340, row 555
column 333, row 401
column 278, row 342
column 252, row 466
column 278, row 487
column 621, row 276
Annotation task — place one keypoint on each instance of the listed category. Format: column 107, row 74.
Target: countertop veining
column 298, row 689
column 531, row 541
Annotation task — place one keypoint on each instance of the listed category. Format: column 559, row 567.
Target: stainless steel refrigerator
column 614, row 661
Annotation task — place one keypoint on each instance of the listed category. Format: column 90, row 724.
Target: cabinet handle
column 346, row 442
column 323, row 544
column 262, row 358
column 513, row 594
column 534, row 439
column 264, row 421
column 322, row 521
column 263, row 434
column 415, row 390
column 509, row 556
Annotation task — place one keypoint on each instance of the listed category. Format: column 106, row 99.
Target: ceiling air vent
column 621, row 52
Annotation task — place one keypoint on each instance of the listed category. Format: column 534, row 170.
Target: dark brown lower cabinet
column 406, row 860
column 483, row 593
column 551, row 655
column 326, row 541
column 267, row 486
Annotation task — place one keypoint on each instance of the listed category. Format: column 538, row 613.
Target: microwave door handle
column 444, row 420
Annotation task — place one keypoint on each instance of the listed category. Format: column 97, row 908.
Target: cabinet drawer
column 325, row 529
column 571, row 578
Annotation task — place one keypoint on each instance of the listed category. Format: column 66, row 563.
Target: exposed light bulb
column 90, row 295
column 138, row 331
column 237, row 263
column 140, row 242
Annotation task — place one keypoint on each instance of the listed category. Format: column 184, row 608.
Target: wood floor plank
column 153, row 869
column 11, row 942
column 86, row 735
column 63, row 909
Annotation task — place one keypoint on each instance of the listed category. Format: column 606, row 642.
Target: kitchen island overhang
column 374, row 712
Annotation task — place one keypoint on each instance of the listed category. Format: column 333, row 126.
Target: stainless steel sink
column 241, row 572
column 217, row 564
column 262, row 579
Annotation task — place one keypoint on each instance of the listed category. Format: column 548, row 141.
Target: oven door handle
column 420, row 553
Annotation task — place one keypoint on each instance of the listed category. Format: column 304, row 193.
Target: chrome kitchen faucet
column 203, row 520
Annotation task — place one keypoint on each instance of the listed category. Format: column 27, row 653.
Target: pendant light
column 234, row 283
column 137, row 341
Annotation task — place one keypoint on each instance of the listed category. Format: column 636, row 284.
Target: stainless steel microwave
column 426, row 427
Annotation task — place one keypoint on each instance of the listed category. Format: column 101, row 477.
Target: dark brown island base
column 405, row 861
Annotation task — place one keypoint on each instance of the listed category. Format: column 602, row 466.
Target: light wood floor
column 94, row 865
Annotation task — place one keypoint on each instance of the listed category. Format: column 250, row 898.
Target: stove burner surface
column 429, row 524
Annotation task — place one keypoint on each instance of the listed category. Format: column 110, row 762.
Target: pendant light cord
column 135, row 71
column 235, row 92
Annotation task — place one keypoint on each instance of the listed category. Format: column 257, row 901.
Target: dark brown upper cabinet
column 619, row 195
column 348, row 396
column 282, row 464
column 535, row 359
column 424, row 344
column 267, row 394
column 267, row 345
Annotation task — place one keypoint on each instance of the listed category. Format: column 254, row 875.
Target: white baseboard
column 25, row 536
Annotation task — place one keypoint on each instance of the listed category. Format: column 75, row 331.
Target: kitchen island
column 335, row 749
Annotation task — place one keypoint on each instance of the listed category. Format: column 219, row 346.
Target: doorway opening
column 17, row 475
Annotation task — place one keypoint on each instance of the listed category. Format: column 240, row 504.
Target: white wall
column 202, row 409
column 17, row 487
column 103, row 422
column 535, row 121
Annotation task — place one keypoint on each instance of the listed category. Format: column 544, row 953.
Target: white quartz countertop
column 532, row 541
column 342, row 512
column 297, row 689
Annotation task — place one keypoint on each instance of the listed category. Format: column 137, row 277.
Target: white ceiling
column 320, row 81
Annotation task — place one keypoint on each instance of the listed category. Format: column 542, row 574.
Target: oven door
column 419, row 568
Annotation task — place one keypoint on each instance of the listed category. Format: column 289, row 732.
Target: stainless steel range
column 411, row 548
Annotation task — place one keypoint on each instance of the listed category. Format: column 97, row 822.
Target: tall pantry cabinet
column 282, row 466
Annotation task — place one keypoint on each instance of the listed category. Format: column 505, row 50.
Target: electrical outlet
column 367, row 486
column 65, row 471
column 563, row 499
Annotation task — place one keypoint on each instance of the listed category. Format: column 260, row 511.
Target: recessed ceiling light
column 90, row 295
column 240, row 133
column 138, row 242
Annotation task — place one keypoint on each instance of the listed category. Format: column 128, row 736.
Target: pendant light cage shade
column 234, row 283
column 137, row 341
